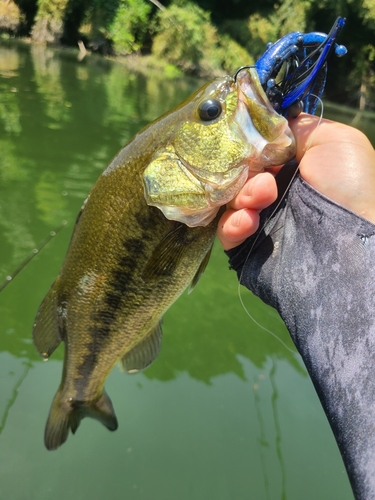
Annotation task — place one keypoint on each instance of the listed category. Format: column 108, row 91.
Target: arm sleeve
column 314, row 262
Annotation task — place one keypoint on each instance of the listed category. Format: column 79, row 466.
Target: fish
column 144, row 234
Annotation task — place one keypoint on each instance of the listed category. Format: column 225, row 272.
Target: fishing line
column 260, row 230
column 33, row 253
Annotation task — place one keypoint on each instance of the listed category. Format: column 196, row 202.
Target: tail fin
column 66, row 415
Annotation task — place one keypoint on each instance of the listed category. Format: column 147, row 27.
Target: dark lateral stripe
column 121, row 285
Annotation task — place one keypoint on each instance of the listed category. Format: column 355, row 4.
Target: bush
column 48, row 25
column 10, row 16
column 230, row 55
column 186, row 38
column 129, row 26
column 286, row 17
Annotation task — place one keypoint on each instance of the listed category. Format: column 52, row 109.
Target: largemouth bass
column 145, row 233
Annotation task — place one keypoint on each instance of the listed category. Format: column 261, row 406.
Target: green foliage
column 99, row 16
column 51, row 9
column 364, row 75
column 129, row 26
column 171, row 71
column 186, row 38
column 10, row 16
column 48, row 25
column 288, row 16
column 369, row 8
column 230, row 55
column 237, row 29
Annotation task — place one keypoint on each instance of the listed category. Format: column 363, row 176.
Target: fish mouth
column 264, row 129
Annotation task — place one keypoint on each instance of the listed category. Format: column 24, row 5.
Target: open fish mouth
column 263, row 127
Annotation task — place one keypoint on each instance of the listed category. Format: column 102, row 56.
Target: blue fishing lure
column 301, row 60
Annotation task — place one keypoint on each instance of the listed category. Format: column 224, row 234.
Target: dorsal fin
column 144, row 353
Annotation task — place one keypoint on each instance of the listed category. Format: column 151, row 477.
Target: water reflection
column 121, row 110
column 262, row 439
column 210, row 324
column 9, row 110
column 278, row 443
column 9, row 102
column 14, row 393
column 47, row 76
column 9, row 62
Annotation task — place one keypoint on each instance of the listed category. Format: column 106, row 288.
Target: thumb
column 338, row 161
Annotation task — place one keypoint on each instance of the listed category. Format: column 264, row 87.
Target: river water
column 226, row 412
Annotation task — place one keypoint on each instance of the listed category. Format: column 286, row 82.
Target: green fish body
column 145, row 234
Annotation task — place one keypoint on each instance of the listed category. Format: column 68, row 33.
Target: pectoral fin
column 167, row 254
column 47, row 333
column 144, row 353
column 200, row 270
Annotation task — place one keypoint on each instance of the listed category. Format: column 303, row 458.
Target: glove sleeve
column 314, row 261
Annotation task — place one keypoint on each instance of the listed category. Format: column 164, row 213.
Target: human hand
column 335, row 159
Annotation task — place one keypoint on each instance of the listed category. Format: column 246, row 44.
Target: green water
column 226, row 412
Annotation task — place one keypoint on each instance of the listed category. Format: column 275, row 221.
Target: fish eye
column 209, row 110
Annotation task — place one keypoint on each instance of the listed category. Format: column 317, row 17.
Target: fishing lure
column 293, row 70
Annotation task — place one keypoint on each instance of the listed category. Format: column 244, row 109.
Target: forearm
column 315, row 264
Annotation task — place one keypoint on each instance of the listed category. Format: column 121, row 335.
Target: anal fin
column 144, row 353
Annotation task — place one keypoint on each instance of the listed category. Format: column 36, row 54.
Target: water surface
column 226, row 412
